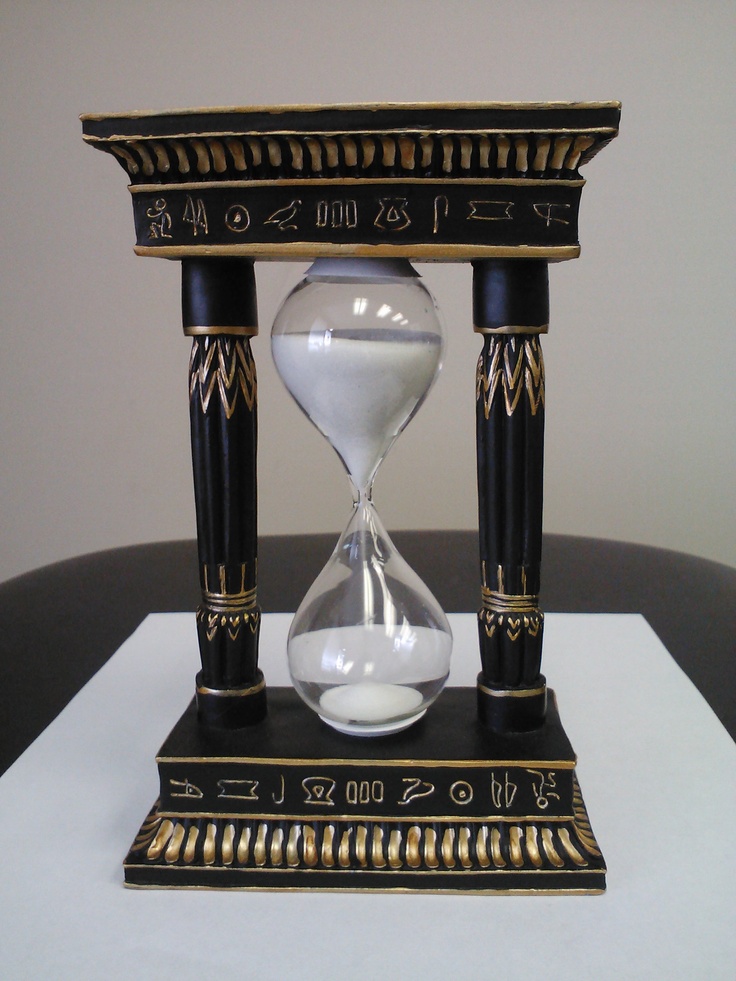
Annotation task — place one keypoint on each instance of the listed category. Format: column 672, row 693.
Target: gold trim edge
column 327, row 819
column 336, row 869
column 353, row 182
column 305, row 250
column 405, row 890
column 280, row 109
column 395, row 763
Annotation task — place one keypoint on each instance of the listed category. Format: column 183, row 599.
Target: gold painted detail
column 224, row 599
column 512, row 329
column 346, row 182
column 582, row 821
column 213, row 331
column 233, row 693
column 512, row 692
column 514, row 624
column 149, row 830
column 294, row 156
column 418, row 251
column 386, row 846
column 223, row 366
column 218, row 622
column 512, row 367
column 509, row 602
column 309, row 107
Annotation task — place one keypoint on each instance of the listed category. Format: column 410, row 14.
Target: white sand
column 359, row 393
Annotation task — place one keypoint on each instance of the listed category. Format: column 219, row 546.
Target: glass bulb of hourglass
column 358, row 343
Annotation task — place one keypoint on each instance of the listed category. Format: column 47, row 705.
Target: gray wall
column 640, row 357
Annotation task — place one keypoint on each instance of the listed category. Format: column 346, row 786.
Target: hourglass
column 366, row 773
column 358, row 344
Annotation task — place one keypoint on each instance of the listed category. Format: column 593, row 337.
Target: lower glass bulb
column 369, row 647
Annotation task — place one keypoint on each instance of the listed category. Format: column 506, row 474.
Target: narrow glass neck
column 362, row 496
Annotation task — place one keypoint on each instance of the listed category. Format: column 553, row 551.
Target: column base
column 445, row 806
column 231, row 708
column 512, row 709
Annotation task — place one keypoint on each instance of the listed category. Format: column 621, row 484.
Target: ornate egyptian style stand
column 481, row 794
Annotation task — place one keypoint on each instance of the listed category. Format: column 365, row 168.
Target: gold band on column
column 229, row 602
column 497, row 602
column 512, row 692
column 512, row 709
column 196, row 331
column 512, row 329
column 233, row 692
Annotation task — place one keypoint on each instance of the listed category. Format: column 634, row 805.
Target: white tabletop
column 656, row 768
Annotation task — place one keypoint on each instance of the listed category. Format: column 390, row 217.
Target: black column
column 220, row 314
column 510, row 310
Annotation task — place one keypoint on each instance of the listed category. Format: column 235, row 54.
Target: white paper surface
column 656, row 768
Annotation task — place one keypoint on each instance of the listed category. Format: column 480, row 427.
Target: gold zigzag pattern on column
column 224, row 365
column 512, row 368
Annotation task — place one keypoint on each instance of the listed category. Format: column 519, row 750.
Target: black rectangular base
column 442, row 806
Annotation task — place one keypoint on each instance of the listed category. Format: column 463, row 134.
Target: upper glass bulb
column 358, row 343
